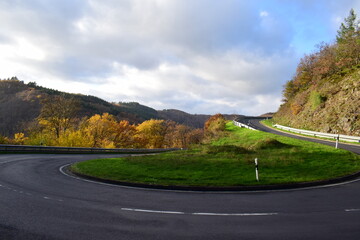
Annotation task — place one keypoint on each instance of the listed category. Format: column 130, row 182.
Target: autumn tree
column 195, row 136
column 215, row 126
column 4, row 140
column 176, row 135
column 180, row 136
column 151, row 133
column 20, row 138
column 124, row 135
column 57, row 113
column 325, row 64
column 329, row 59
column 100, row 130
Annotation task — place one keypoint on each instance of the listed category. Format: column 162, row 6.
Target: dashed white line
column 150, row 211
column 352, row 210
column 29, row 194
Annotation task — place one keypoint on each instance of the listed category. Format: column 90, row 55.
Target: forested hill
column 20, row 105
column 324, row 94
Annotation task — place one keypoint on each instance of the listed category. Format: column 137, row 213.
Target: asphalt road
column 257, row 125
column 37, row 201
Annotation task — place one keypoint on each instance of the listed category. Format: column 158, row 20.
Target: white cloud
column 264, row 14
column 198, row 56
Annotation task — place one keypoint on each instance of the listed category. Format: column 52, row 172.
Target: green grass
column 229, row 161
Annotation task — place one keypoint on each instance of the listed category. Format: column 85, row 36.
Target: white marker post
column 337, row 141
column 256, row 170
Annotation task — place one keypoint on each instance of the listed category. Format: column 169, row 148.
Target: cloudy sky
column 199, row 56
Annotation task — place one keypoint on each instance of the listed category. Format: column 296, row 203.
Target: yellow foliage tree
column 214, row 127
column 124, row 135
column 20, row 138
column 100, row 130
column 57, row 113
column 151, row 133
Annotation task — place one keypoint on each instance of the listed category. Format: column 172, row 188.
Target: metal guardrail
column 242, row 125
column 320, row 134
column 45, row 149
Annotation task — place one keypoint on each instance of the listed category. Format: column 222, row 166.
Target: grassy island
column 229, row 161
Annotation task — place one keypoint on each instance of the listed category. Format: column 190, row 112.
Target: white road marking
column 198, row 214
column 150, row 211
column 61, row 169
column 352, row 210
column 235, row 214
column 29, row 194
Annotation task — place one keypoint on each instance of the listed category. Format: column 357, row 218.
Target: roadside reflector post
column 256, row 169
column 337, row 141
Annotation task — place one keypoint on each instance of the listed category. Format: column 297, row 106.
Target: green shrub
column 210, row 149
column 268, row 143
column 316, row 100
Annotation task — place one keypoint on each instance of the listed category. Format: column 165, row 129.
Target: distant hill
column 267, row 115
column 181, row 117
column 194, row 120
column 20, row 104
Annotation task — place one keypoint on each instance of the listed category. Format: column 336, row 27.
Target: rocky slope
column 324, row 94
column 332, row 105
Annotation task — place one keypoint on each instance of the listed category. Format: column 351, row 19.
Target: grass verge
column 229, row 161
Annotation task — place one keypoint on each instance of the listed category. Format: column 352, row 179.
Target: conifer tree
column 349, row 28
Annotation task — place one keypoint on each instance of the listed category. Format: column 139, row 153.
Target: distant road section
column 255, row 123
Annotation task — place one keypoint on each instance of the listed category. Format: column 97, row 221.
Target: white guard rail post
column 320, row 134
column 242, row 125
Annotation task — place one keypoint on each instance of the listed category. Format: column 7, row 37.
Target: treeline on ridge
column 57, row 125
column 331, row 59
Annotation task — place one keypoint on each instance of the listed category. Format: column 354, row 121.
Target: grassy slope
column 229, row 161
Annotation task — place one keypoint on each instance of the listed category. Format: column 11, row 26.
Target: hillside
column 194, row 120
column 324, row 94
column 332, row 106
column 21, row 103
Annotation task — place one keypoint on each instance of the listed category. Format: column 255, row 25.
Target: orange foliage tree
column 214, row 127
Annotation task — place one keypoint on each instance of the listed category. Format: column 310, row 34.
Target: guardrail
column 320, row 134
column 242, row 125
column 45, row 149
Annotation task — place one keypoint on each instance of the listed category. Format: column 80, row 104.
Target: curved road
column 38, row 201
column 255, row 123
